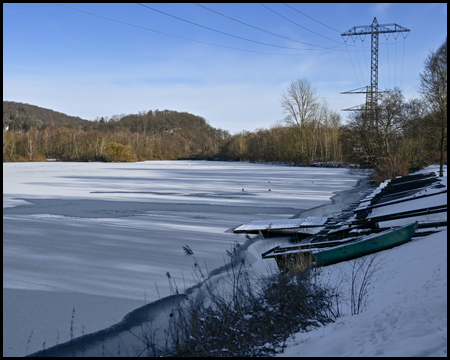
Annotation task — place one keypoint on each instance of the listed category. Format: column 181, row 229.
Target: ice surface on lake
column 101, row 237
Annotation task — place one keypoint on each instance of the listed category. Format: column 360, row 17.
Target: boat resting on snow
column 331, row 252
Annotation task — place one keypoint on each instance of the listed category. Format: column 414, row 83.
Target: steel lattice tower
column 374, row 30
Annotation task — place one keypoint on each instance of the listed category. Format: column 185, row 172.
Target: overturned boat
column 330, row 252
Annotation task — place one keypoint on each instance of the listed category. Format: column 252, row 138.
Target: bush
column 38, row 157
column 17, row 158
column 390, row 168
column 118, row 152
column 252, row 318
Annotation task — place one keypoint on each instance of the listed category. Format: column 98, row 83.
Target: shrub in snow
column 246, row 317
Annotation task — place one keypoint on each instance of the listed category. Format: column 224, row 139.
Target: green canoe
column 365, row 245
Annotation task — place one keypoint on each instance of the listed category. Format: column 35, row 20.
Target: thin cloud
column 380, row 8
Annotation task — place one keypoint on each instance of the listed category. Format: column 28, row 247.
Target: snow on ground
column 406, row 314
column 100, row 237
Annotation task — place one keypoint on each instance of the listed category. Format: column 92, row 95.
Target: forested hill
column 155, row 122
column 19, row 116
column 32, row 133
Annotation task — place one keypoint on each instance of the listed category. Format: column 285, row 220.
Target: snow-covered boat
column 309, row 225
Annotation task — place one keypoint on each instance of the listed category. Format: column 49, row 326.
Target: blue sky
column 88, row 66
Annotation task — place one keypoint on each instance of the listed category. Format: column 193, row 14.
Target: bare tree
column 327, row 128
column 301, row 105
column 415, row 131
column 433, row 87
column 362, row 136
column 335, row 124
column 378, row 136
column 389, row 121
column 30, row 144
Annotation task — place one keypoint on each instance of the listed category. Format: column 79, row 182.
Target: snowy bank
column 406, row 314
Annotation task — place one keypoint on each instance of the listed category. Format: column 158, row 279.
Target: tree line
column 397, row 136
column 152, row 135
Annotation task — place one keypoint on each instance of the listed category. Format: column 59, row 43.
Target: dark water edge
column 339, row 202
column 83, row 345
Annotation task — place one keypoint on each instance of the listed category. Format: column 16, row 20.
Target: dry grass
column 297, row 263
column 253, row 318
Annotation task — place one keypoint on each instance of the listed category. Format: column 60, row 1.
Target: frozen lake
column 100, row 237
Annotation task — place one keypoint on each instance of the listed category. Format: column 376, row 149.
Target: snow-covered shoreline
column 406, row 310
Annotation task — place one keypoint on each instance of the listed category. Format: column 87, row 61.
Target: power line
column 218, row 31
column 367, row 62
column 172, row 35
column 312, row 18
column 266, row 31
column 299, row 24
column 357, row 58
column 357, row 77
column 365, row 12
column 403, row 60
column 395, row 62
column 359, row 63
column 346, row 45
column 389, row 66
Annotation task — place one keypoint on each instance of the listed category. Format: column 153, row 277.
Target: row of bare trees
column 281, row 143
column 78, row 145
column 309, row 134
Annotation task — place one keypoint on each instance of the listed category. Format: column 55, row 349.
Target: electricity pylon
column 371, row 92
